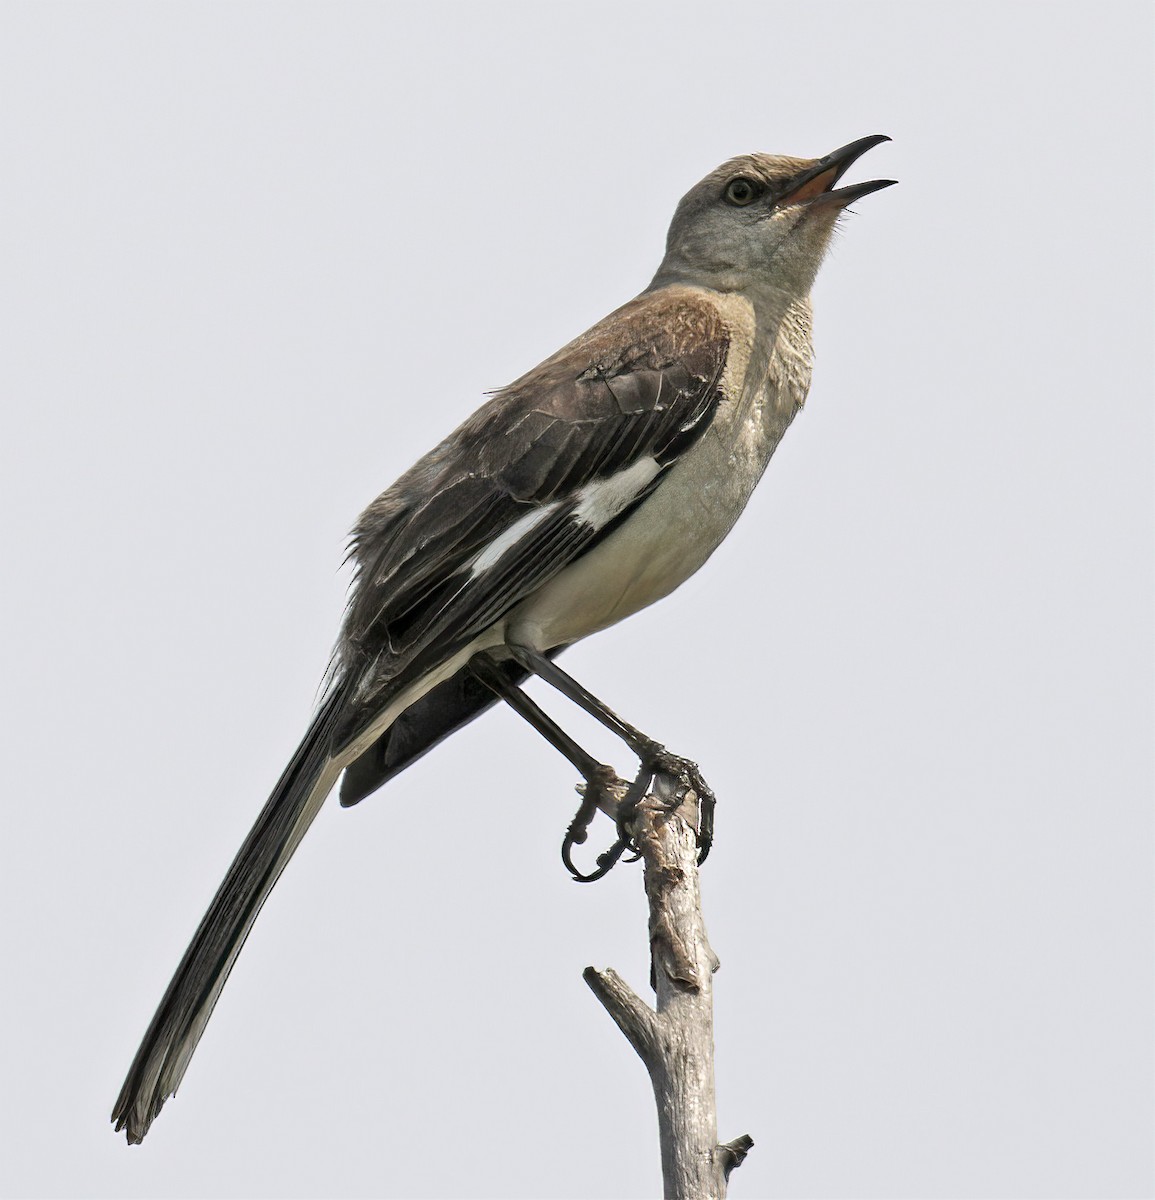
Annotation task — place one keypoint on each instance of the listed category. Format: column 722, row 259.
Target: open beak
column 816, row 183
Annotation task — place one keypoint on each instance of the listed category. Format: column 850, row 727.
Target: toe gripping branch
column 578, row 831
column 603, row 789
column 623, row 801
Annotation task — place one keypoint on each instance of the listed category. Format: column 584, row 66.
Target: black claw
column 608, row 858
column 628, row 808
column 706, row 806
column 605, row 863
column 578, row 830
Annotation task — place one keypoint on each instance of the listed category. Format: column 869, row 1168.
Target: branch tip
column 733, row 1154
column 631, row 1014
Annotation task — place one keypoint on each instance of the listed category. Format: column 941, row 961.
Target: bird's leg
column 601, row 782
column 654, row 758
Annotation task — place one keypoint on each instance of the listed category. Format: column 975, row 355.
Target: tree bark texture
column 676, row 1042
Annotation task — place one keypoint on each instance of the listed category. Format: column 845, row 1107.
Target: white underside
column 672, row 533
column 684, row 520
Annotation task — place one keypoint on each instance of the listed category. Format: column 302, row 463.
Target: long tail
column 184, row 1011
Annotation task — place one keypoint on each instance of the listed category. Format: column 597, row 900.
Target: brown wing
column 496, row 509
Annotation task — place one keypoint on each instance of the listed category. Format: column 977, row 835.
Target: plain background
column 256, row 259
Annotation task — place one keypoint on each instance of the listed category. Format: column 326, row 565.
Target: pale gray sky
column 255, row 260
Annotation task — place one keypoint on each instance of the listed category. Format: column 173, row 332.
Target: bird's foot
column 656, row 760
column 602, row 790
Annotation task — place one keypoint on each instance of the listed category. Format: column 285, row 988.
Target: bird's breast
column 683, row 521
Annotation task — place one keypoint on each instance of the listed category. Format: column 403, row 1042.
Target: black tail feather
column 184, row 1011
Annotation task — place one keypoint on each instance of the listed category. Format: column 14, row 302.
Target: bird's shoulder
column 670, row 326
column 661, row 348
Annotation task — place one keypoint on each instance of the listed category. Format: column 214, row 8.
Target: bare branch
column 676, row 1042
column 633, row 1016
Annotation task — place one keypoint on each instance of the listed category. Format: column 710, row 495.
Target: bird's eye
column 742, row 191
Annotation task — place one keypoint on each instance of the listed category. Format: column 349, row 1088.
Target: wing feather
column 644, row 384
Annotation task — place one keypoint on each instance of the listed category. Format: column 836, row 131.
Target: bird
column 584, row 491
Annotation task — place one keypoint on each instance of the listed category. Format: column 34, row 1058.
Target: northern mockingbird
column 586, row 490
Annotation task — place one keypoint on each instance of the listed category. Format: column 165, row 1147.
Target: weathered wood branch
column 676, row 1042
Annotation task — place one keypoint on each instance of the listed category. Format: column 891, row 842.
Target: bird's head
column 762, row 221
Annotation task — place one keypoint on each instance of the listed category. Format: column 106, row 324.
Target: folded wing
column 533, row 480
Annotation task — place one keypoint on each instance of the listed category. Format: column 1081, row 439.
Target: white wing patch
column 492, row 554
column 599, row 502
column 594, row 505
